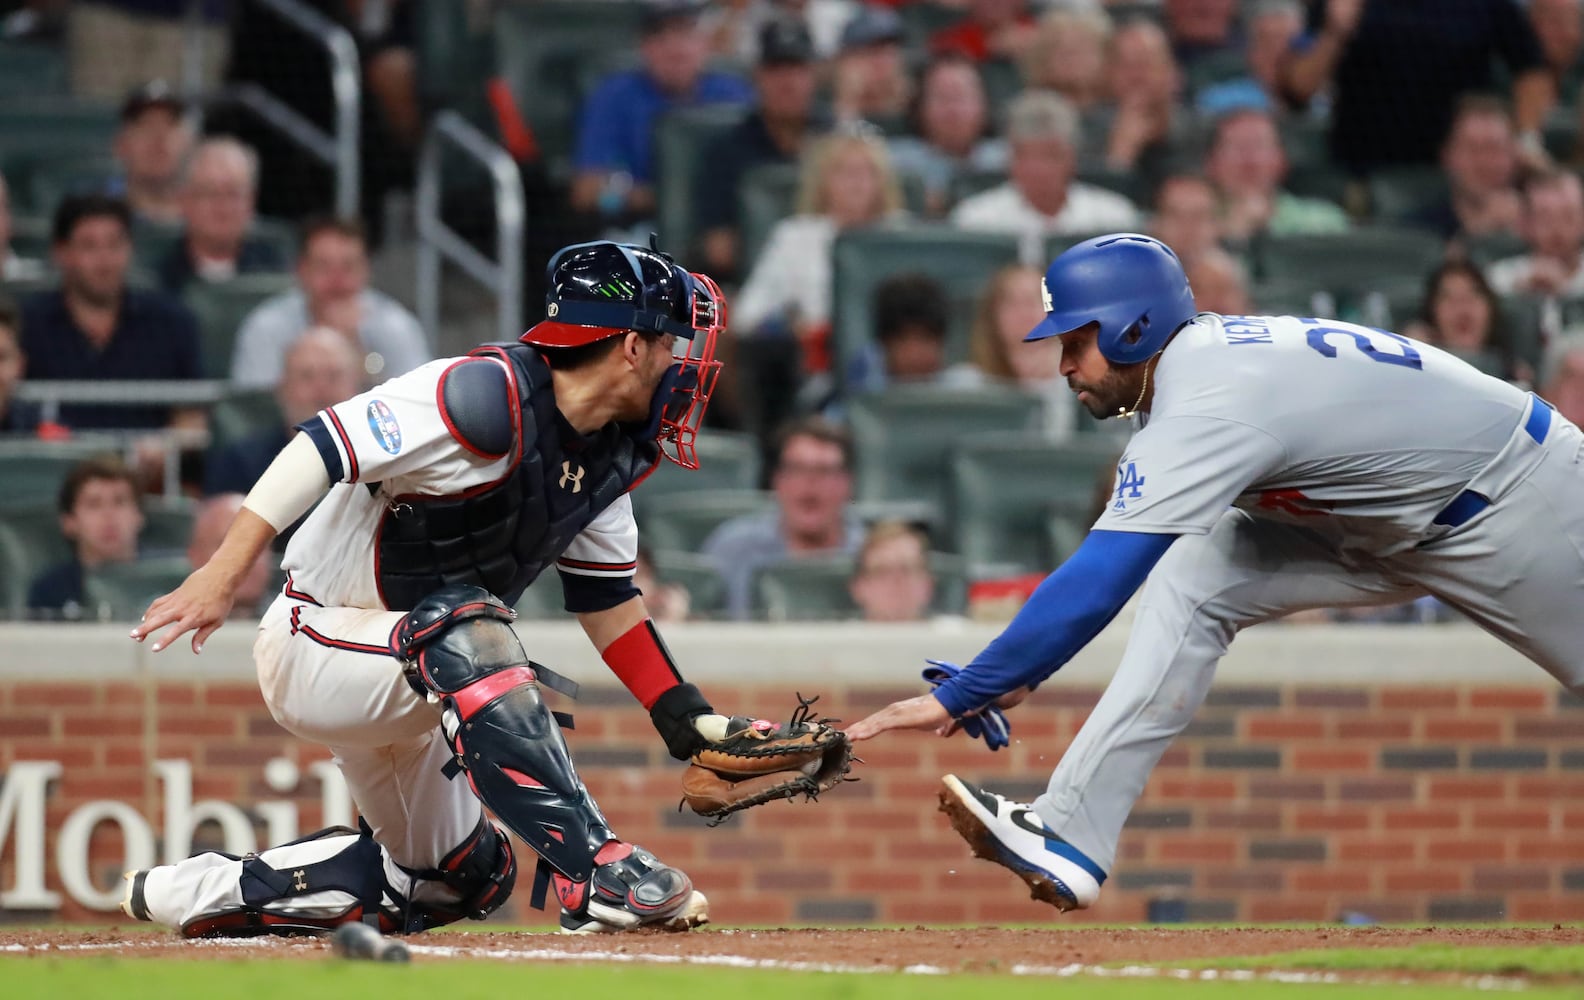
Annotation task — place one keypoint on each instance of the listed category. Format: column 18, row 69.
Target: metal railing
column 338, row 150
column 438, row 242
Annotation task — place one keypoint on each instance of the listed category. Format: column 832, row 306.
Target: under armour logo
column 552, row 310
column 569, row 476
column 301, row 875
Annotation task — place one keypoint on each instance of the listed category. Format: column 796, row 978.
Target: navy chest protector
column 501, row 536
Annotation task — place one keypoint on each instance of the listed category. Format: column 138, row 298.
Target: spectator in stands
column 1247, row 166
column 812, row 481
column 1480, row 159
column 101, row 519
column 153, row 143
column 1185, row 216
column 1272, row 27
column 16, row 417
column 613, row 164
column 257, row 589
column 1559, row 27
column 949, row 122
column 1219, row 283
column 1462, row 315
column 992, row 29
column 217, row 193
column 1067, row 54
column 321, row 368
column 1397, row 71
column 117, row 44
column 665, row 602
column 333, row 291
column 911, row 314
column 1553, row 227
column 871, row 82
column 1562, row 376
column 892, row 581
column 1145, row 87
column 777, row 130
column 1011, row 306
column 1041, row 198
column 846, row 182
column 736, row 26
column 95, row 327
column 12, row 266
column 1202, row 29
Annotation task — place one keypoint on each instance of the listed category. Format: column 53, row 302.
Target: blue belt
column 1467, row 504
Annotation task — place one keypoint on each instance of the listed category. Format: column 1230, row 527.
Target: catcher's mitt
column 759, row 761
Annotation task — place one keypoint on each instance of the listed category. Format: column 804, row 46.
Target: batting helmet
column 1132, row 285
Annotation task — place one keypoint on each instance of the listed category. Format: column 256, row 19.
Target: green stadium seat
column 30, row 71
column 123, row 591
column 1002, row 82
column 1492, row 247
column 543, row 600
column 904, row 436
column 1523, row 314
column 455, row 53
column 34, row 470
column 1360, row 260
column 1398, row 192
column 1007, row 488
column 706, row 590
column 38, row 130
column 30, row 236
column 727, row 461
column 167, row 526
column 278, row 233
column 922, row 20
column 16, row 573
column 682, row 141
column 963, row 262
column 221, row 307
column 813, row 589
column 70, row 173
column 680, row 522
column 766, row 195
column 241, row 413
column 1306, row 140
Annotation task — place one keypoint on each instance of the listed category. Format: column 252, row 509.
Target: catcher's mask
column 603, row 289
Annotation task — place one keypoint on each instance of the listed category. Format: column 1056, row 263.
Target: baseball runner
column 445, row 492
column 1281, row 463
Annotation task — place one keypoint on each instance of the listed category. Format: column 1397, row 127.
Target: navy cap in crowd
column 872, row 26
column 154, row 94
column 784, row 42
column 659, row 15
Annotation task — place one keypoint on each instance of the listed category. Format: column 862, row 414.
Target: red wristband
column 640, row 660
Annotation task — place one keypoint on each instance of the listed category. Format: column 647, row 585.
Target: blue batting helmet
column 1132, row 285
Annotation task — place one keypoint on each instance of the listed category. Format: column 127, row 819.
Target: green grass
column 310, row 979
column 1535, row 960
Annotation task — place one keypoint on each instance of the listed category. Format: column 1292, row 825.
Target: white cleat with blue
column 1009, row 834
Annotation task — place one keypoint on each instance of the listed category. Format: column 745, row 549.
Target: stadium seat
column 37, row 130
column 16, row 572
column 1007, row 488
column 543, row 600
column 962, row 261
column 682, row 140
column 904, row 436
column 34, row 470
column 30, row 236
column 706, row 590
column 1398, row 192
column 1354, row 261
column 167, row 526
column 1524, row 314
column 278, row 233
column 71, row 173
column 680, row 522
column 1305, row 139
column 241, row 413
column 30, row 71
column 1002, row 82
column 767, row 194
column 922, row 20
column 1489, row 248
column 813, row 589
column 123, row 591
column 221, row 307
column 727, row 461
column 455, row 53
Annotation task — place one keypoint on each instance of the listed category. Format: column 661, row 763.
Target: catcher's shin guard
column 461, row 651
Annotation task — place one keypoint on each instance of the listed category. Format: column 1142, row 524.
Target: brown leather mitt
column 760, row 761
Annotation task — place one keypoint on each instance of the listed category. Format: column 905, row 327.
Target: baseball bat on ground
column 360, row 941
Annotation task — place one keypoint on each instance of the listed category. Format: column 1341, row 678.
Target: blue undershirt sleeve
column 1067, row 610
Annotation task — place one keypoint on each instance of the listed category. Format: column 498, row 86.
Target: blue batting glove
column 990, row 724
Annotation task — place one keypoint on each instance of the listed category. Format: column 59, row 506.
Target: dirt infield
column 985, row 949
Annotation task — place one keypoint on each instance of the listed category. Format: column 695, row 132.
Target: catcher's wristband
column 673, row 714
column 641, row 661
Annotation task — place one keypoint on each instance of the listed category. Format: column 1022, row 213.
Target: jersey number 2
column 1364, row 339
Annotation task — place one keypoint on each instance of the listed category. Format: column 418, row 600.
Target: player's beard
column 1115, row 393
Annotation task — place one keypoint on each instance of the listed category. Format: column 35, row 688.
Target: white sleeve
column 257, row 358
column 608, row 547
column 397, row 430
column 766, row 292
column 1179, row 475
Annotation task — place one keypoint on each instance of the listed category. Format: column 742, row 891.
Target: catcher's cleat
column 1009, row 834
column 133, row 903
column 630, row 888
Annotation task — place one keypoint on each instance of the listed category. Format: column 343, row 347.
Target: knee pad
column 461, row 652
column 482, row 870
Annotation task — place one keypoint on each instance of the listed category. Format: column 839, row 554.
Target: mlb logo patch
column 382, row 423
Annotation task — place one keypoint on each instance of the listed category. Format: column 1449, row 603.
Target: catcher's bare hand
column 923, row 712
column 200, row 605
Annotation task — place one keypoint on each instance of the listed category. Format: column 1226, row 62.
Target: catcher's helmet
column 603, row 289
column 1132, row 285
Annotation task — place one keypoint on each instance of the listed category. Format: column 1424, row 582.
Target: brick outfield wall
column 1281, row 803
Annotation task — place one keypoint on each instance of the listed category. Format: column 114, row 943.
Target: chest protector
column 502, row 535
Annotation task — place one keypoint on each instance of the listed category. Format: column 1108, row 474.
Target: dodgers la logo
column 382, row 422
column 1130, row 485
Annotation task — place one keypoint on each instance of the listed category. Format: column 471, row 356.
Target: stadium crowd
column 877, row 185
